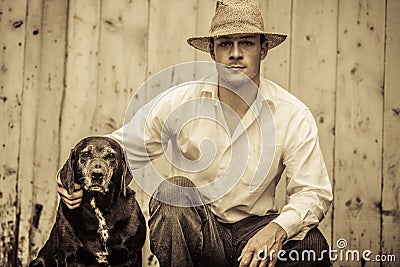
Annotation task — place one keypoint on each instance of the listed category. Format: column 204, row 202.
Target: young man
column 233, row 222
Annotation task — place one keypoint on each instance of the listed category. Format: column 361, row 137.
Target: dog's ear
column 67, row 173
column 127, row 174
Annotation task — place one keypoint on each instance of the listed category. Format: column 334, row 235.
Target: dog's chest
column 93, row 227
column 103, row 232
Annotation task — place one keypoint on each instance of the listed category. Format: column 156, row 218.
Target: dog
column 108, row 228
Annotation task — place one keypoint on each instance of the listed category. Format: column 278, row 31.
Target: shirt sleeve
column 309, row 188
column 145, row 136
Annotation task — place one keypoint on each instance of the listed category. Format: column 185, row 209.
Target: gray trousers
column 182, row 234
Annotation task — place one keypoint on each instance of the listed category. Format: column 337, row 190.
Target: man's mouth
column 236, row 67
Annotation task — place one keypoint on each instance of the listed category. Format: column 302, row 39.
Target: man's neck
column 238, row 99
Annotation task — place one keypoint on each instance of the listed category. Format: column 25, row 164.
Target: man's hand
column 268, row 239
column 72, row 201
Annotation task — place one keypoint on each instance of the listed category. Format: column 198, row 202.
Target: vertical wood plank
column 168, row 33
column 51, row 91
column 359, row 124
column 29, row 107
column 80, row 99
column 313, row 75
column 277, row 18
column 391, row 137
column 12, row 43
column 122, row 59
column 205, row 12
column 167, row 38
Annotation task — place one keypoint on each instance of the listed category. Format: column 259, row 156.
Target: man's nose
column 236, row 51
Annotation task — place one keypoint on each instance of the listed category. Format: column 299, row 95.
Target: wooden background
column 69, row 68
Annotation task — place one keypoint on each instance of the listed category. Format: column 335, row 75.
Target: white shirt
column 277, row 132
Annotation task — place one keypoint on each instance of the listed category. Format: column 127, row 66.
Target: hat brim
column 202, row 42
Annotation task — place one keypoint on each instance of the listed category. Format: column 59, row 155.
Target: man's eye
column 224, row 44
column 247, row 43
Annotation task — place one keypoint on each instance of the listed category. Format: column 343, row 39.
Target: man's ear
column 211, row 48
column 212, row 55
column 264, row 50
column 67, row 173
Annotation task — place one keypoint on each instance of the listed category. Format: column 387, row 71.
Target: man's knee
column 173, row 183
column 316, row 241
column 313, row 250
column 177, row 191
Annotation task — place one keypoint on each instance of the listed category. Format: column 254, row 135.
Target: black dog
column 108, row 228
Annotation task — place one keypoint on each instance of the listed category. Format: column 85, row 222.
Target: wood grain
column 12, row 43
column 391, row 136
column 50, row 90
column 359, row 106
column 313, row 73
column 80, row 95
column 30, row 99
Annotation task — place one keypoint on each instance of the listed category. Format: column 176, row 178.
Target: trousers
column 184, row 232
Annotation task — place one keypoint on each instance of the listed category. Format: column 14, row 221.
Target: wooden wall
column 69, row 68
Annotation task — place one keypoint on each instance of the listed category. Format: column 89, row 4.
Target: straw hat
column 236, row 17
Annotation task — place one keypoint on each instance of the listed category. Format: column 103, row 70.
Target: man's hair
column 263, row 39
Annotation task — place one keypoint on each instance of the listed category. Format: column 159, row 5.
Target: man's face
column 241, row 52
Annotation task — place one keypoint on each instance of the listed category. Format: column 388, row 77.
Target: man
column 232, row 222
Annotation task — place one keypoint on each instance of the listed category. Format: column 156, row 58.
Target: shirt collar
column 265, row 94
column 210, row 90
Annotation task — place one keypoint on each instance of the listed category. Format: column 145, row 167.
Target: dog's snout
column 97, row 176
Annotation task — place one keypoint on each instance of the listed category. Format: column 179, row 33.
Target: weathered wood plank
column 80, row 99
column 313, row 75
column 359, row 125
column 51, row 91
column 277, row 20
column 276, row 66
column 391, row 137
column 122, row 59
column 12, row 43
column 30, row 98
column 171, row 32
column 205, row 12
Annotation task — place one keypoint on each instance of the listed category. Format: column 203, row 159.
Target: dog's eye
column 110, row 156
column 85, row 154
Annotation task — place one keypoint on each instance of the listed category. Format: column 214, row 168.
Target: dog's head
column 98, row 164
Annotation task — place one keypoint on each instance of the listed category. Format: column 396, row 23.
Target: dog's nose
column 97, row 176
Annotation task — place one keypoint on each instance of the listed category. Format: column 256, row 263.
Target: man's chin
column 234, row 81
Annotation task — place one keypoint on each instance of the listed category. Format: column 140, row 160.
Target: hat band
column 236, row 28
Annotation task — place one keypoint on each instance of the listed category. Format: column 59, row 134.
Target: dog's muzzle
column 98, row 177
